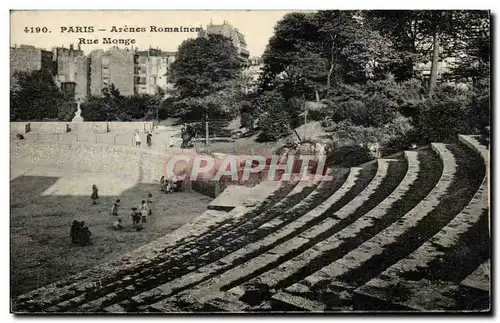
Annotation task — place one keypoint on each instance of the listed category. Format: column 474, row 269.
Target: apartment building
column 71, row 67
column 29, row 58
column 151, row 69
column 228, row 31
column 115, row 66
column 79, row 76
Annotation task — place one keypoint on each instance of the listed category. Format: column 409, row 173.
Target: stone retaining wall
column 83, row 127
column 145, row 164
column 93, row 158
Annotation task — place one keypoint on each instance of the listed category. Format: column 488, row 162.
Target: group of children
column 169, row 186
column 137, row 138
column 81, row 234
column 139, row 215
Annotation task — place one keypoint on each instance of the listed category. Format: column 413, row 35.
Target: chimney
column 71, row 47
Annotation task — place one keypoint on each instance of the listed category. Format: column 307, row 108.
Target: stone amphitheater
column 409, row 233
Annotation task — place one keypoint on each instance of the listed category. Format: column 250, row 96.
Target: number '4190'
column 36, row 30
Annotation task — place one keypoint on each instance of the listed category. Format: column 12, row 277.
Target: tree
column 475, row 47
column 35, row 96
column 206, row 74
column 312, row 52
column 113, row 106
column 293, row 61
column 427, row 35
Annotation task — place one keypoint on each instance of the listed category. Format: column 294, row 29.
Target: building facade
column 80, row 76
column 71, row 67
column 115, row 66
column 29, row 58
column 151, row 70
column 229, row 31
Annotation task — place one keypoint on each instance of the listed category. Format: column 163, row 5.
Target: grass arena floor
column 44, row 203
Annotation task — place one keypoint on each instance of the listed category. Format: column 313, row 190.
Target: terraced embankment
column 408, row 233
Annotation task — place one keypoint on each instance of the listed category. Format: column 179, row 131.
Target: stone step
column 203, row 292
column 434, row 259
column 290, row 302
column 338, row 242
column 206, row 271
column 365, row 253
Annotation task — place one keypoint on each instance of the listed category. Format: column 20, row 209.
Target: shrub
column 362, row 108
column 349, row 156
column 274, row 122
column 67, row 111
column 444, row 116
column 273, row 125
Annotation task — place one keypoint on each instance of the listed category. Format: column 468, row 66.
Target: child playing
column 118, row 224
column 114, row 209
column 95, row 195
column 150, row 203
column 136, row 218
column 144, row 211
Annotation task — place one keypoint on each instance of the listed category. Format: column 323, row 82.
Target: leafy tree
column 312, row 52
column 112, row 106
column 421, row 36
column 292, row 60
column 35, row 96
column 206, row 74
column 473, row 52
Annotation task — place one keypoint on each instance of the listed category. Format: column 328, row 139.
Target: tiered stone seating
column 297, row 239
column 246, row 251
column 383, row 236
column 429, row 275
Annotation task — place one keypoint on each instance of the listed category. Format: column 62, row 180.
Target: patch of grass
column 41, row 248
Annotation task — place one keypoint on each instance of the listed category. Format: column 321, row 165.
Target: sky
column 257, row 26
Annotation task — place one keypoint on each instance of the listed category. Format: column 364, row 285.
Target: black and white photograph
column 250, row 161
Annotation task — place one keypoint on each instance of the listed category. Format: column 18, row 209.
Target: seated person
column 168, row 186
column 118, row 224
column 74, row 231
column 177, row 186
column 83, row 234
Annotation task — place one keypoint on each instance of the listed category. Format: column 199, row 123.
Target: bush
column 361, row 108
column 67, row 111
column 274, row 122
column 348, row 156
column 394, row 136
column 273, row 125
column 445, row 115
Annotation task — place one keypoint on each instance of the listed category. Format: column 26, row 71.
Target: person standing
column 150, row 203
column 137, row 138
column 95, row 195
column 148, row 139
column 114, row 209
column 162, row 183
column 144, row 211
